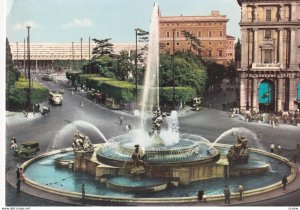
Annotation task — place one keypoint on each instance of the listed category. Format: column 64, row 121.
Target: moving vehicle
column 55, row 98
column 47, row 77
column 112, row 104
column 28, row 148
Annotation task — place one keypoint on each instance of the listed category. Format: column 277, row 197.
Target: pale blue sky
column 62, row 21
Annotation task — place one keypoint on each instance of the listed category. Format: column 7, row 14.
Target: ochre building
column 270, row 55
column 211, row 30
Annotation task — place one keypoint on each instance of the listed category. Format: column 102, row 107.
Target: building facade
column 42, row 55
column 270, row 55
column 211, row 30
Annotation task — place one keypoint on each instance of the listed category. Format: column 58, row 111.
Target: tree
column 104, row 47
column 238, row 51
column 122, row 65
column 194, row 41
column 11, row 73
column 189, row 71
column 216, row 73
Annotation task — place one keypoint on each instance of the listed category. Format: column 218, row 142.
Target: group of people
column 240, row 190
column 20, row 177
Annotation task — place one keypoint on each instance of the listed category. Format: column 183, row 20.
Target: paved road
column 56, row 131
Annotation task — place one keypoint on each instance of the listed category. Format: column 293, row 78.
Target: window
column 220, row 43
column 209, row 33
column 209, row 53
column 168, row 43
column 199, row 33
column 177, row 43
column 268, row 56
column 220, row 53
column 221, row 33
column 177, row 33
column 268, row 34
column 209, row 43
column 268, row 15
column 168, row 34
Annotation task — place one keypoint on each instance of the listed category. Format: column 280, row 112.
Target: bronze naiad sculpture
column 139, row 165
column 82, row 143
column 238, row 153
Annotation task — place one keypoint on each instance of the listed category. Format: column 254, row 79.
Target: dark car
column 28, row 148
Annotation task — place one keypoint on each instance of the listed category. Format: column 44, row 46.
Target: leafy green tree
column 122, row 65
column 216, row 73
column 238, row 51
column 11, row 73
column 188, row 71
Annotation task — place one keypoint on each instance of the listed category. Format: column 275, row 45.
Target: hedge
column 18, row 94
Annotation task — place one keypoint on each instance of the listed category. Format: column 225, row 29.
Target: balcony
column 266, row 66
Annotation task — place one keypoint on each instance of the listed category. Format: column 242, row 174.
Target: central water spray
column 151, row 86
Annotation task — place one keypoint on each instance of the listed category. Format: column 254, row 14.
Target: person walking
column 18, row 173
column 227, row 195
column 284, row 182
column 21, row 172
column 18, row 186
column 272, row 146
column 240, row 190
column 121, row 120
column 279, row 149
column 83, row 194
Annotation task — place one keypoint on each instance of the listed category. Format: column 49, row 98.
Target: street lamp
column 28, row 61
column 89, row 66
column 138, row 32
column 173, row 67
column 81, row 52
column 72, row 55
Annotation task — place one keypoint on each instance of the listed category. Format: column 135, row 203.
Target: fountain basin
column 41, row 171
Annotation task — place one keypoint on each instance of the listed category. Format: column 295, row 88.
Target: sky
column 63, row 21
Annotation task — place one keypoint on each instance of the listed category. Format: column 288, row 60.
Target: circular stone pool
column 43, row 172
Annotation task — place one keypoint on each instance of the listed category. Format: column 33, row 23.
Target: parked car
column 28, row 148
column 112, row 104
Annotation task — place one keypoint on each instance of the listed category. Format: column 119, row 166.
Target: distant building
column 270, row 55
column 42, row 55
column 211, row 30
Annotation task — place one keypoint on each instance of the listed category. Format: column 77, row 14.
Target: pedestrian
column 279, row 149
column 204, row 198
column 83, row 194
column 18, row 173
column 21, row 177
column 240, row 190
column 72, row 92
column 13, row 143
column 284, row 182
column 121, row 120
column 18, row 186
column 272, row 146
column 295, row 157
column 200, row 195
column 227, row 195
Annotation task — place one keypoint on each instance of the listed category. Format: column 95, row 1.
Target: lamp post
column 138, row 32
column 135, row 63
column 89, row 66
column 173, row 68
column 17, row 55
column 81, row 52
column 24, row 63
column 28, row 61
column 72, row 55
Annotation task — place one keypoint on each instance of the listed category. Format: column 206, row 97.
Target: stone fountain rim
column 68, row 194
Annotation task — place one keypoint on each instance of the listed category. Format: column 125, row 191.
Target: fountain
column 153, row 163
